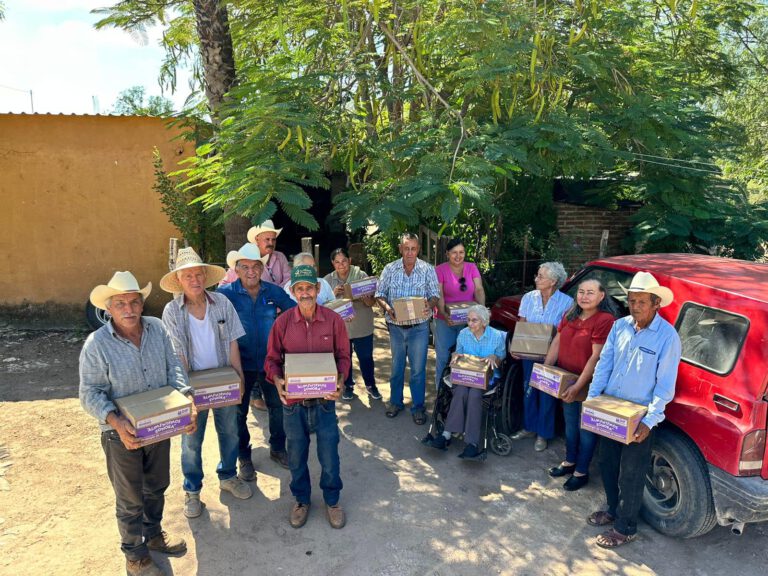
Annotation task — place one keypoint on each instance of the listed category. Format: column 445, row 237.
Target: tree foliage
column 134, row 101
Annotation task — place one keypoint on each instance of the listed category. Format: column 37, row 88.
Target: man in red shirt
column 309, row 328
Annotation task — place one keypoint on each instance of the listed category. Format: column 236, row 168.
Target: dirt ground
column 411, row 510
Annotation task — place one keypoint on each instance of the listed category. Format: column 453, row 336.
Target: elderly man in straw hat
column 128, row 355
column 638, row 363
column 257, row 304
column 310, row 328
column 204, row 328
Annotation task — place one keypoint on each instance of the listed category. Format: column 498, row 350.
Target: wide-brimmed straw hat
column 248, row 251
column 121, row 283
column 266, row 226
column 188, row 258
column 645, row 282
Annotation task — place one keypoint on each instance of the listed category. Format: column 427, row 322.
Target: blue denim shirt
column 639, row 366
column 256, row 316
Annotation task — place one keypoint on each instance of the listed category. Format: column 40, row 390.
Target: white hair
column 481, row 311
column 298, row 260
column 556, row 272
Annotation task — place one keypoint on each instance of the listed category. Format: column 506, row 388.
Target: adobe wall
column 78, row 204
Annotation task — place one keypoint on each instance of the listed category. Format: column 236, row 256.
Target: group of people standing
column 264, row 309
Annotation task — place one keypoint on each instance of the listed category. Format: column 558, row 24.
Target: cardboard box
column 531, row 340
column 409, row 308
column 343, row 307
column 611, row 417
column 310, row 375
column 156, row 414
column 359, row 288
column 471, row 371
column 553, row 381
column 216, row 387
column 458, row 311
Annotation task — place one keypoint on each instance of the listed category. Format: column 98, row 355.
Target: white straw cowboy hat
column 121, row 283
column 248, row 251
column 645, row 282
column 188, row 258
column 266, row 226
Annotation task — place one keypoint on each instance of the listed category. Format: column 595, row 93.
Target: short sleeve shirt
column 577, row 337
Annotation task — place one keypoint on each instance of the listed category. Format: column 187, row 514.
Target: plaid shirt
column 394, row 283
column 491, row 342
column 222, row 316
column 112, row 367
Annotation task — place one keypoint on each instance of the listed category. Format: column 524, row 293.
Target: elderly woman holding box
column 576, row 348
column 466, row 411
column 459, row 281
column 360, row 328
column 545, row 305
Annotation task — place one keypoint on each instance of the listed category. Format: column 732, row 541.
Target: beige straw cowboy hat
column 247, row 251
column 645, row 282
column 121, row 283
column 266, row 226
column 188, row 258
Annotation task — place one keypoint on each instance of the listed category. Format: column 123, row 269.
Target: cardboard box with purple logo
column 216, row 387
column 411, row 308
column 612, row 417
column 471, row 371
column 554, row 381
column 343, row 307
column 156, row 414
column 359, row 288
column 458, row 311
column 531, row 340
column 310, row 375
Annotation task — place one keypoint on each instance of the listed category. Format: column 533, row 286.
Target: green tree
column 133, row 101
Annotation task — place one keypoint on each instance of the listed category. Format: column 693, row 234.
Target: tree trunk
column 218, row 60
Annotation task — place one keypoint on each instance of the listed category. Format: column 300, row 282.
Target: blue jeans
column 225, row 421
column 410, row 343
column 445, row 339
column 299, row 422
column 363, row 347
column 274, row 409
column 539, row 407
column 579, row 444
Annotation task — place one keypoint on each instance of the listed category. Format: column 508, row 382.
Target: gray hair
column 108, row 301
column 409, row 236
column 481, row 311
column 298, row 260
column 556, row 272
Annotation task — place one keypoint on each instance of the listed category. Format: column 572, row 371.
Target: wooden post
column 306, row 244
column 173, row 248
column 604, row 244
column 317, row 257
column 525, row 259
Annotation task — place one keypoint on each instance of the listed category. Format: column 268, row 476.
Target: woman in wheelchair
column 580, row 337
column 465, row 414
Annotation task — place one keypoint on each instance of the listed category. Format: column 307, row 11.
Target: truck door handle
column 727, row 403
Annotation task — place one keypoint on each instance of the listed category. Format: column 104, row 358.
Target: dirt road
column 411, row 511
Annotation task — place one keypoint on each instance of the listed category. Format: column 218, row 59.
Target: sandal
column 613, row 539
column 420, row 418
column 393, row 411
column 600, row 518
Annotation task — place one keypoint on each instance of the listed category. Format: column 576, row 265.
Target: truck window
column 612, row 280
column 711, row 338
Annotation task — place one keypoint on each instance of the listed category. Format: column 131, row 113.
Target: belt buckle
column 309, row 402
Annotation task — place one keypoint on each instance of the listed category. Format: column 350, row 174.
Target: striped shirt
column 491, row 342
column 112, row 367
column 222, row 316
column 532, row 310
column 394, row 283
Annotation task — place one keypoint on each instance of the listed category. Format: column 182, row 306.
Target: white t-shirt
column 203, row 343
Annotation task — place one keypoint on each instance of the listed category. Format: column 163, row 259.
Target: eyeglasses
column 463, row 284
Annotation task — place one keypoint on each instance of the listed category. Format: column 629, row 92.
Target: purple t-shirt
column 451, row 285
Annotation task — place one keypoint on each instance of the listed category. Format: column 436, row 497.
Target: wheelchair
column 490, row 429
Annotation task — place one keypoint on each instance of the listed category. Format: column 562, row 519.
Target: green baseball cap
column 303, row 273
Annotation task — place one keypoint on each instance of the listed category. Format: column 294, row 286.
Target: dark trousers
column 274, row 410
column 363, row 347
column 623, row 468
column 139, row 479
column 538, row 407
column 466, row 413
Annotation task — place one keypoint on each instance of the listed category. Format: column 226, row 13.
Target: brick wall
column 580, row 229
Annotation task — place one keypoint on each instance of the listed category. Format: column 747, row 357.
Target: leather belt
column 309, row 402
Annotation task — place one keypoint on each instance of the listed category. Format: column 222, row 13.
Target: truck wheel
column 678, row 496
column 96, row 317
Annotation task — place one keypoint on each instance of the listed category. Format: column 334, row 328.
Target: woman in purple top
column 459, row 281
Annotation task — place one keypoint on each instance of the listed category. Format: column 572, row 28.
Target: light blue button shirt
column 532, row 310
column 639, row 366
column 491, row 342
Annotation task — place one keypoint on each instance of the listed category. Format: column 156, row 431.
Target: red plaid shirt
column 292, row 334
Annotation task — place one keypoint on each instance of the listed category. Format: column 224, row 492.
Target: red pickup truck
column 710, row 464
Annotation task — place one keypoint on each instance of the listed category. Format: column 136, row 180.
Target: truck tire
column 96, row 317
column 510, row 417
column 678, row 496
